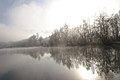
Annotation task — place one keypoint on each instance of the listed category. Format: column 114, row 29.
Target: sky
column 20, row 19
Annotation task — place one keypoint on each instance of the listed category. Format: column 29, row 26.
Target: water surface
column 60, row 63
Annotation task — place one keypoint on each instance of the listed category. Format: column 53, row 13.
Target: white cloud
column 27, row 16
column 28, row 19
column 25, row 20
column 74, row 11
column 10, row 33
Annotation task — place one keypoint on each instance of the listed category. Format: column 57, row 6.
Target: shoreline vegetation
column 104, row 31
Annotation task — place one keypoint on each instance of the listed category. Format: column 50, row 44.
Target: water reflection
column 80, row 63
column 104, row 60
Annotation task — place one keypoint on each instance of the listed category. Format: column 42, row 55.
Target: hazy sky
column 19, row 19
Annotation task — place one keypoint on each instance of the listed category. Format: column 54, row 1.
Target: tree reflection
column 99, row 58
column 102, row 59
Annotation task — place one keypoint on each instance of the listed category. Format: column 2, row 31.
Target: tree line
column 105, row 30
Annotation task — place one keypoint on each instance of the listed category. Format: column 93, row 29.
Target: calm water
column 85, row 63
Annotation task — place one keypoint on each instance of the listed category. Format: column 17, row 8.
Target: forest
column 105, row 30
